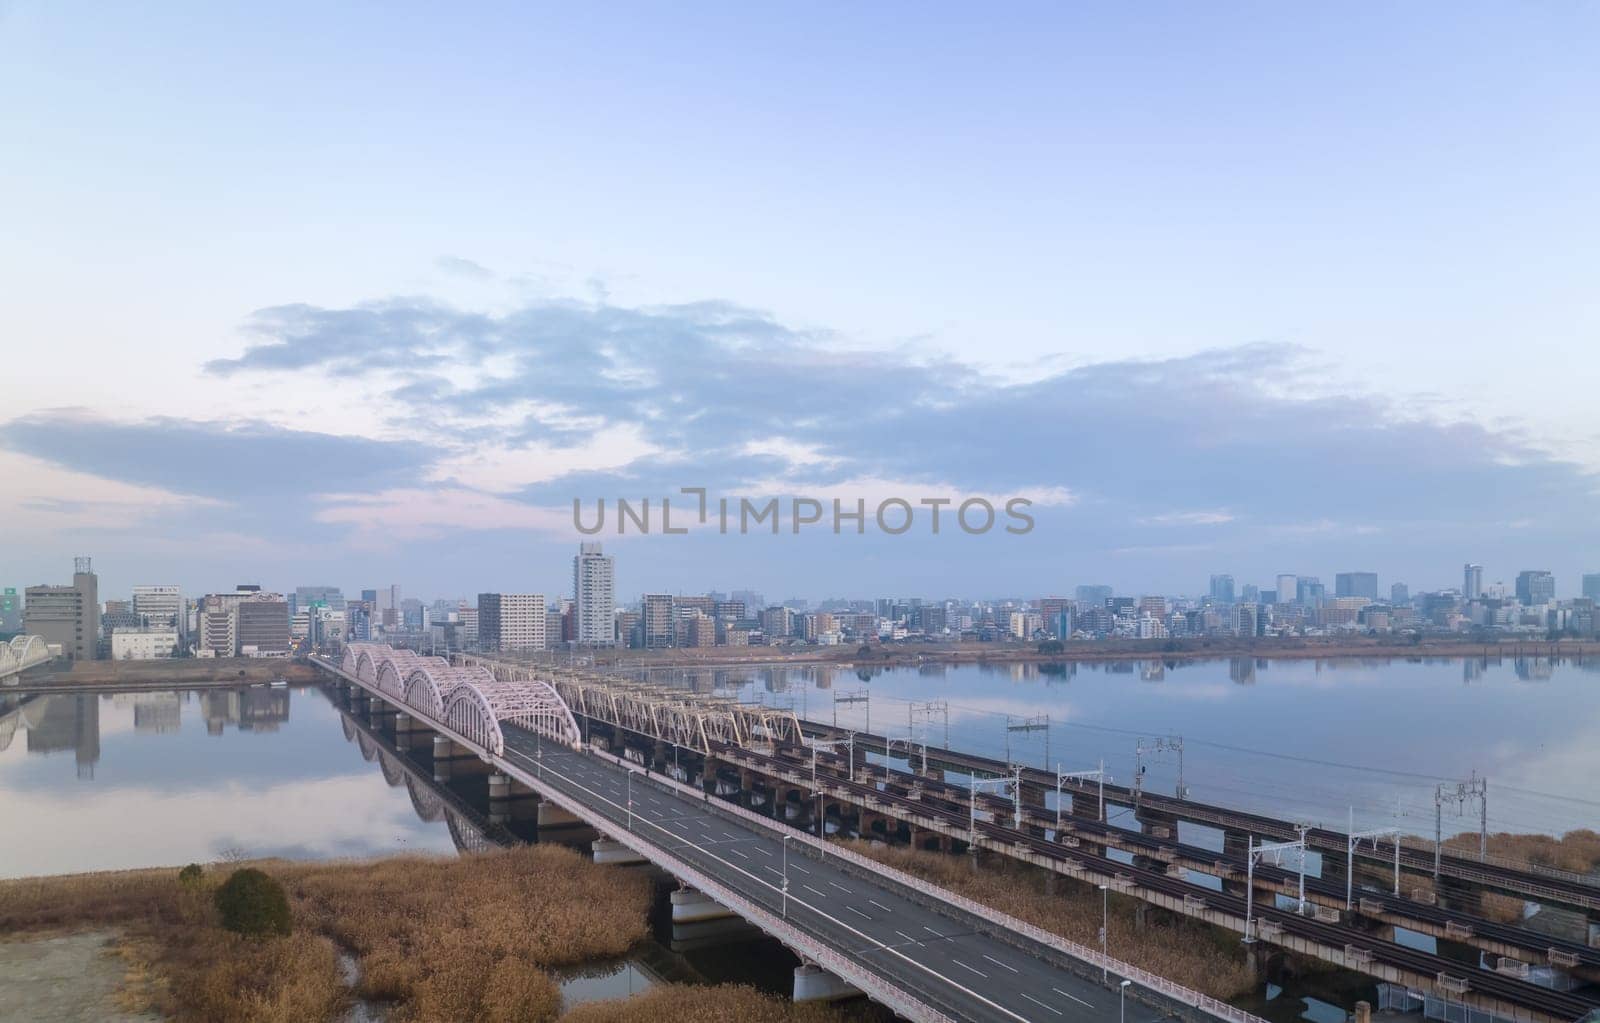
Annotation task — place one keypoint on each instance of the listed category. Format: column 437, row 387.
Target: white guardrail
column 836, row 963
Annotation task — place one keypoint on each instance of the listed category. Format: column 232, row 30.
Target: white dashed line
column 858, row 912
column 964, row 966
column 1040, row 1004
column 998, row 963
column 1075, row 998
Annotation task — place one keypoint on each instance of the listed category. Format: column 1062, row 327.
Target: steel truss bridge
column 842, row 912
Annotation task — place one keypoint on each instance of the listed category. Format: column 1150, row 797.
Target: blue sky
column 370, row 295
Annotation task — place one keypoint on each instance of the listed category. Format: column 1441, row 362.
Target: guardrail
column 1167, row 988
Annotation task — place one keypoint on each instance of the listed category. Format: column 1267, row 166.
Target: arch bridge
column 22, row 653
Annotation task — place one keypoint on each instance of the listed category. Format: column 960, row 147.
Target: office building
column 1471, row 582
column 512, row 621
column 68, row 616
column 1356, row 584
column 331, row 597
column 1288, row 588
column 10, row 610
column 1222, row 589
column 144, row 643
column 594, row 596
column 160, row 606
column 1535, row 586
column 1309, row 591
column 262, row 625
column 1399, row 594
column 1591, row 586
column 1094, row 595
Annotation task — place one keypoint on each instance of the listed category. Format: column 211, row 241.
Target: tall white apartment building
column 594, row 596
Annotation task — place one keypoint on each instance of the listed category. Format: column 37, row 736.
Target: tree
column 190, row 876
column 1051, row 646
column 254, row 904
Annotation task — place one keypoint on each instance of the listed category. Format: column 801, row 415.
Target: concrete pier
column 690, row 906
column 608, row 851
column 552, row 816
column 814, row 984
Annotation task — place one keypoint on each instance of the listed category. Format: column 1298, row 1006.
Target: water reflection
column 1296, row 738
column 111, row 781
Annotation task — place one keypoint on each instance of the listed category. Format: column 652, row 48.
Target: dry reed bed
column 1577, row 851
column 728, row 1003
column 1194, row 954
column 445, row 939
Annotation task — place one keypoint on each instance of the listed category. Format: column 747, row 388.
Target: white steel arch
column 22, row 653
column 476, row 709
column 428, row 686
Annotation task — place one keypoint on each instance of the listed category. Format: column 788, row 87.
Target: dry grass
column 446, row 939
column 725, row 1004
column 1193, row 954
column 1577, row 851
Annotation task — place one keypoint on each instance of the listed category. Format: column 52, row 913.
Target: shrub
column 190, row 876
column 252, row 903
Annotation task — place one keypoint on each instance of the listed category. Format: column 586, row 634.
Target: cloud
column 215, row 460
column 1231, row 459
column 464, row 268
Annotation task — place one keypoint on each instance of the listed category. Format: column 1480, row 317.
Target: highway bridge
column 924, row 952
column 20, row 654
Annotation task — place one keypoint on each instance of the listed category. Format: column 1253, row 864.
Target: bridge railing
column 1092, row 957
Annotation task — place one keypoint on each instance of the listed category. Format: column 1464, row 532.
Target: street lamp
column 630, row 800
column 1122, row 1001
column 786, row 838
column 1105, row 920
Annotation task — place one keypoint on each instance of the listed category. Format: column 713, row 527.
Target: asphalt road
column 935, row 956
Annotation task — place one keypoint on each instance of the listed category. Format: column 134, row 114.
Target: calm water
column 97, row 782
column 1298, row 738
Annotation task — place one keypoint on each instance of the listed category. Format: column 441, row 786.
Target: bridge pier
column 608, row 850
column 690, row 906
column 814, row 984
column 549, row 815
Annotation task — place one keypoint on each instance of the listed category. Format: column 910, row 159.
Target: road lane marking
column 796, row 866
column 1041, row 1005
column 997, row 962
column 930, row 930
column 814, row 891
column 841, row 887
column 858, row 912
column 880, row 905
column 1075, row 998
column 908, row 937
column 739, row 854
column 964, row 966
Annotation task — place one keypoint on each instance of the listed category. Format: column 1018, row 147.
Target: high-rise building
column 331, row 596
column 1356, row 584
column 1471, row 582
column 1309, row 590
column 10, row 610
column 594, row 596
column 67, row 615
column 512, row 621
column 1094, row 595
column 1591, row 585
column 159, row 606
column 1222, row 589
column 658, row 621
column 1288, row 588
column 1535, row 586
column 1399, row 594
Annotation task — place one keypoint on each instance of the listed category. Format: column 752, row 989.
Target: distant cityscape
column 159, row 621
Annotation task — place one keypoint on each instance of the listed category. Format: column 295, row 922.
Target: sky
column 295, row 295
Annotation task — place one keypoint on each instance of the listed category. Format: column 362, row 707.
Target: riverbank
column 177, row 673
column 433, row 939
column 876, row 655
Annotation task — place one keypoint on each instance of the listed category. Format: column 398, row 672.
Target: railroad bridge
column 584, row 744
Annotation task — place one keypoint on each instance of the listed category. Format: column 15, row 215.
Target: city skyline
column 836, row 286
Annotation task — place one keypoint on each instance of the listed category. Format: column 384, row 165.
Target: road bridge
column 1522, row 963
column 20, row 654
column 924, row 952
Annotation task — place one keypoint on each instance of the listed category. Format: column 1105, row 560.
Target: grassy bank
column 1191, row 953
column 442, row 939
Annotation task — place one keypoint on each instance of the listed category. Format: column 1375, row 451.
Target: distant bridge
column 22, row 653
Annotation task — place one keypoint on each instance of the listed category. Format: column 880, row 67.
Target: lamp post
column 786, row 838
column 1105, row 920
column 630, row 800
column 1122, row 1001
